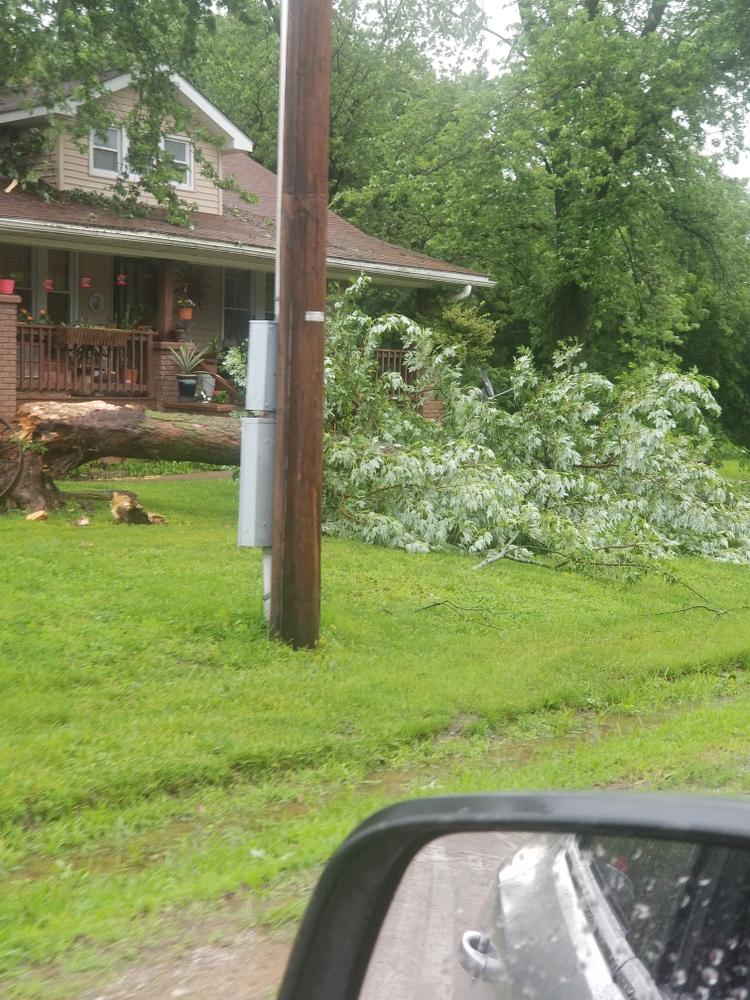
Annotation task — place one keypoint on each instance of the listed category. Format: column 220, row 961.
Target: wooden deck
column 80, row 361
column 394, row 360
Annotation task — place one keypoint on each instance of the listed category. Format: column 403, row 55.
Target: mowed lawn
column 159, row 757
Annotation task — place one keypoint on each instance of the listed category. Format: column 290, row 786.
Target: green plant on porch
column 188, row 358
column 234, row 363
column 137, row 314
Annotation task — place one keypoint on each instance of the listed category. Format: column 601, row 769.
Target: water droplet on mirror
column 679, row 978
column 740, row 993
column 637, row 853
column 716, row 956
column 641, row 911
column 702, row 993
column 710, row 976
column 703, row 882
column 682, row 880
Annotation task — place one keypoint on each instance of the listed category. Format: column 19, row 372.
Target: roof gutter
column 205, row 251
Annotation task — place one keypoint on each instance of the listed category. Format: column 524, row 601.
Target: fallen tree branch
column 693, row 607
column 458, row 608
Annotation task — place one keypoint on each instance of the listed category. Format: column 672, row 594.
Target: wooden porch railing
column 394, row 360
column 78, row 361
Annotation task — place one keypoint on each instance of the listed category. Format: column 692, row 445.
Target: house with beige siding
column 98, row 290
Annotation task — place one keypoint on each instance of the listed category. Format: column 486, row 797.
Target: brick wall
column 432, row 409
column 165, row 375
column 8, row 324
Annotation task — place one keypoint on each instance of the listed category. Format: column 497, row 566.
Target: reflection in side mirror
column 520, row 916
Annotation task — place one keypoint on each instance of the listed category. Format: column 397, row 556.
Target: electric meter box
column 256, row 481
column 260, row 396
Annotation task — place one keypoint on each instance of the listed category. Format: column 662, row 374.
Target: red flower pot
column 7, row 285
column 184, row 313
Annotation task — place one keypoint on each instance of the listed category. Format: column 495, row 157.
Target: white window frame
column 123, row 169
column 123, row 153
column 189, row 184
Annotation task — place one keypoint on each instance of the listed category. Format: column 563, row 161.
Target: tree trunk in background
column 60, row 436
column 571, row 312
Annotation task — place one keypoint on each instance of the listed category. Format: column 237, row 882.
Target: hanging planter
column 185, row 308
column 121, row 279
column 85, row 281
column 48, row 285
column 7, row 286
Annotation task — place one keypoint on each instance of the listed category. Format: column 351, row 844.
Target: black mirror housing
column 341, row 925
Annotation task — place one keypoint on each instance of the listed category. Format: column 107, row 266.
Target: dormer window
column 181, row 152
column 109, row 156
column 107, row 152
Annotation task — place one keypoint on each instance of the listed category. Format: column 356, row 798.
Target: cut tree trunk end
column 59, row 436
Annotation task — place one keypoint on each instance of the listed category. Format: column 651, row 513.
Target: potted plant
column 7, row 285
column 188, row 360
column 185, row 306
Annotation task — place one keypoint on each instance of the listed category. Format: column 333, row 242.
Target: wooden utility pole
column 301, row 288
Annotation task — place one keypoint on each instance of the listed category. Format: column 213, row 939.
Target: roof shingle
column 251, row 226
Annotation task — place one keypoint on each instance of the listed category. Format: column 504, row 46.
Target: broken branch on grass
column 693, row 607
column 459, row 608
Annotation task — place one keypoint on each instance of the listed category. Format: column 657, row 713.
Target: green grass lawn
column 160, row 757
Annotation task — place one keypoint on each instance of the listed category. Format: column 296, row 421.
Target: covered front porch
column 62, row 286
column 93, row 325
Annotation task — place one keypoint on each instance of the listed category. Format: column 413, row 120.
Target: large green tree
column 384, row 56
column 577, row 177
column 59, row 50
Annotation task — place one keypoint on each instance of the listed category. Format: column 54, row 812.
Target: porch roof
column 244, row 235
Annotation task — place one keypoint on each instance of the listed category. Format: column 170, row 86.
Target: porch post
column 165, row 374
column 8, row 336
column 165, row 320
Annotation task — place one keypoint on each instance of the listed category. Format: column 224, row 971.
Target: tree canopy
column 576, row 174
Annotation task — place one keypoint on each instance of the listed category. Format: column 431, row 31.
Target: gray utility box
column 256, row 459
column 256, row 482
column 260, row 395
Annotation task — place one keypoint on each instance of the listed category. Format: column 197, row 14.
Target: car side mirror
column 545, row 896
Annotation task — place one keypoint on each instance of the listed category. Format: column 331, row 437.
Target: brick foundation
column 165, row 374
column 8, row 329
column 432, row 409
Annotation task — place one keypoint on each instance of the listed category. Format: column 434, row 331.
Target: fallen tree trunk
column 57, row 437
